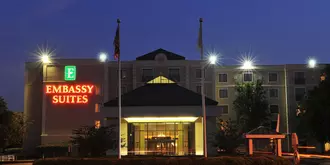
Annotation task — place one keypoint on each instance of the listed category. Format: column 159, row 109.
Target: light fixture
column 312, row 63
column 45, row 58
column 44, row 54
column 247, row 65
column 103, row 57
column 160, row 119
column 213, row 59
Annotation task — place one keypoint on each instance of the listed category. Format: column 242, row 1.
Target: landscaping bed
column 223, row 160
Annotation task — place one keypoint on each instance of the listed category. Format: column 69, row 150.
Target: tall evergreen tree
column 3, row 121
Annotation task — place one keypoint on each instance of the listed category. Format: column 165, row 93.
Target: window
column 323, row 77
column 123, row 89
column 272, row 77
column 97, row 123
column 273, row 108
column 174, row 74
column 223, row 93
column 273, row 124
column 97, row 107
column 147, row 75
column 224, row 109
column 222, row 77
column 299, row 93
column 299, row 77
column 52, row 73
column 247, row 77
column 199, row 73
column 198, row 89
column 123, row 74
column 273, row 93
column 97, row 90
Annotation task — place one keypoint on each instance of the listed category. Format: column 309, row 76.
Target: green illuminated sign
column 70, row 73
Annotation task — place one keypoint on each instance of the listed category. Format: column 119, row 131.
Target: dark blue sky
column 279, row 31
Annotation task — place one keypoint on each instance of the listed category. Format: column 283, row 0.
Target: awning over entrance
column 161, row 92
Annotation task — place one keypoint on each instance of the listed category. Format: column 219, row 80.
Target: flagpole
column 202, row 86
column 119, row 98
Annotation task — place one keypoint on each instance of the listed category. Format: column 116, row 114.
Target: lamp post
column 103, row 57
column 212, row 59
column 45, row 59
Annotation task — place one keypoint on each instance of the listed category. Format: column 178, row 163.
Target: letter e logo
column 70, row 73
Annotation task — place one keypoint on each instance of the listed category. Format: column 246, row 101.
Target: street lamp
column 247, row 64
column 312, row 63
column 103, row 57
column 44, row 55
column 45, row 58
column 213, row 59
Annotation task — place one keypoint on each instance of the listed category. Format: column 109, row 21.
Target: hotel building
column 161, row 101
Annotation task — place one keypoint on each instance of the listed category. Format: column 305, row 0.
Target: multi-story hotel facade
column 161, row 101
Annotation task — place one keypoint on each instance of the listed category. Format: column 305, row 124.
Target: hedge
column 224, row 160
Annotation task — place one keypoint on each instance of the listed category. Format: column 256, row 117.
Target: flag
column 116, row 44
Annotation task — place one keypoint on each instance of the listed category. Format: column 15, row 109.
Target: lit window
column 52, row 73
column 97, row 123
column 247, row 77
column 97, row 90
column 273, row 93
column 223, row 77
column 323, row 76
column 97, row 107
column 223, row 93
column 160, row 80
column 272, row 77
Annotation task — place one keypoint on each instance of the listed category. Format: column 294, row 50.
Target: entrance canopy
column 161, row 92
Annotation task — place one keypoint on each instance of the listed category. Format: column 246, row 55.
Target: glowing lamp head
column 213, row 59
column 45, row 58
column 312, row 63
column 247, row 65
column 103, row 57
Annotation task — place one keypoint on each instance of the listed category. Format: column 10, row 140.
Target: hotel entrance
column 171, row 138
column 161, row 146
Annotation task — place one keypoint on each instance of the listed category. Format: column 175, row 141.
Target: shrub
column 94, row 141
column 224, row 160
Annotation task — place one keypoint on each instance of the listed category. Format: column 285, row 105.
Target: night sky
column 277, row 31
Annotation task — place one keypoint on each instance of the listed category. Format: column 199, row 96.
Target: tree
column 317, row 108
column 228, row 137
column 94, row 141
column 251, row 105
column 16, row 129
column 3, row 121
